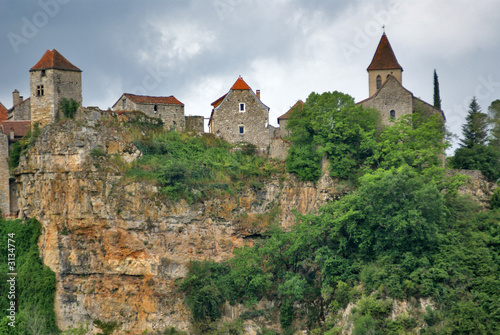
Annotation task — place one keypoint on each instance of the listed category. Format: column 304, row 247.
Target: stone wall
column 278, row 148
column 57, row 84
column 227, row 119
column 4, row 175
column 195, row 123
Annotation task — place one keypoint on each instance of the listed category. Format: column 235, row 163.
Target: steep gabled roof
column 240, row 85
column 218, row 101
column 298, row 105
column 384, row 58
column 52, row 59
column 145, row 99
column 3, row 113
column 20, row 128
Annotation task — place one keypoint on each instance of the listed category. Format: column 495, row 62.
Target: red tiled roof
column 20, row 128
column 286, row 116
column 3, row 113
column 240, row 85
column 218, row 101
column 144, row 99
column 384, row 58
column 52, row 59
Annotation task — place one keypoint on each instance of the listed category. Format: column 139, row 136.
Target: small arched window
column 393, row 114
column 379, row 81
column 155, row 108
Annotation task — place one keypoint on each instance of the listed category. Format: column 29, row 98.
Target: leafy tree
column 331, row 124
column 494, row 120
column 475, row 129
column 437, row 97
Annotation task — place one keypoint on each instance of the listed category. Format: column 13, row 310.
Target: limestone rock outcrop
column 117, row 246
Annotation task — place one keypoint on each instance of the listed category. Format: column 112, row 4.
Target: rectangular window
column 40, row 91
column 242, row 107
column 242, row 129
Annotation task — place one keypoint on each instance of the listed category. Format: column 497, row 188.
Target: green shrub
column 68, row 107
column 495, row 199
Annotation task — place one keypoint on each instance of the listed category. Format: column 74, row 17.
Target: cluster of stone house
column 239, row 116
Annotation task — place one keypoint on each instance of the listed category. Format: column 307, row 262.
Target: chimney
column 16, row 99
column 257, row 93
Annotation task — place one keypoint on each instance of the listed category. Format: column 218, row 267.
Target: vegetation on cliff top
column 194, row 167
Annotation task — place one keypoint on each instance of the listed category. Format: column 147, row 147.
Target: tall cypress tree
column 437, row 97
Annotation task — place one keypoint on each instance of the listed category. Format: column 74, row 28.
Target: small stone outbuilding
column 169, row 109
column 240, row 116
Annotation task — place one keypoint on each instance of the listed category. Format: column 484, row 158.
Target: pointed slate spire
column 384, row 58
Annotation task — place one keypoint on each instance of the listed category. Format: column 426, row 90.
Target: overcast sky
column 196, row 49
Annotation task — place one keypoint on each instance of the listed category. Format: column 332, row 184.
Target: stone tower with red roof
column 240, row 116
column 52, row 79
column 383, row 65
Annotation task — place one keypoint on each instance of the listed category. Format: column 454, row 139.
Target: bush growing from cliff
column 68, row 107
column 35, row 282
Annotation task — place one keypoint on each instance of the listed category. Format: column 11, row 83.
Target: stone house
column 21, row 108
column 239, row 116
column 385, row 83
column 169, row 109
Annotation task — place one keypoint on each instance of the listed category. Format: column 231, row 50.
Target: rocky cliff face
column 118, row 246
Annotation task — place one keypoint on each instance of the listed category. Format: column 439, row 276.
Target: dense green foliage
column 494, row 121
column 398, row 235
column 68, row 107
column 475, row 153
column 196, row 167
column 354, row 142
column 35, row 282
column 330, row 124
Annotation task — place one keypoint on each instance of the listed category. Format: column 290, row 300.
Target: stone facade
column 391, row 97
column 4, row 175
column 169, row 109
column 240, row 116
column 21, row 111
column 195, row 123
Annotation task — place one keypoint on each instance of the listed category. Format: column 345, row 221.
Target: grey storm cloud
column 196, row 49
